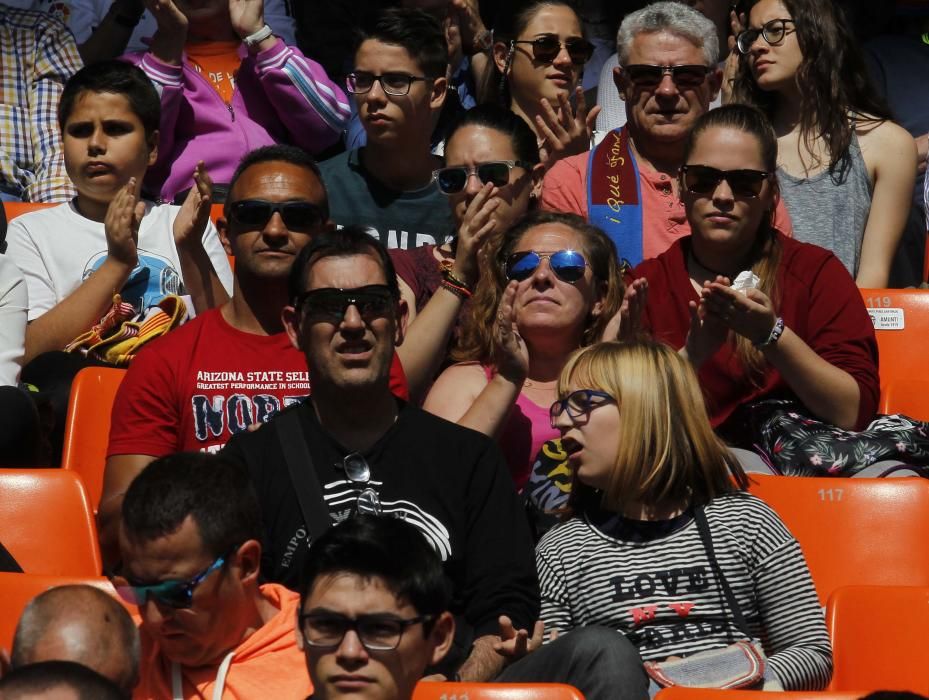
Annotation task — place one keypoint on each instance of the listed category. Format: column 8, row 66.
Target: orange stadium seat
column 427, row 690
column 854, row 531
column 87, row 427
column 14, row 209
column 901, row 322
column 46, row 522
column 879, row 638
column 678, row 693
column 16, row 590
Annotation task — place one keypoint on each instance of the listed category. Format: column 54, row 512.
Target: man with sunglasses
column 667, row 76
column 374, row 610
column 189, row 536
column 232, row 367
column 398, row 83
column 353, row 448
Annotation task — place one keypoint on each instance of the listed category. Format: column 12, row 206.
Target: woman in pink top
column 554, row 289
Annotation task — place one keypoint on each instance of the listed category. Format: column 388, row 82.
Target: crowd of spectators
column 409, row 291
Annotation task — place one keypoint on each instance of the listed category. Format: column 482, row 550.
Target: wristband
column 460, row 292
column 774, row 335
column 449, row 276
column 252, row 40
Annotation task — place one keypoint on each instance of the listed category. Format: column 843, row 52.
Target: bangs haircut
column 414, row 30
column 118, row 78
column 667, row 450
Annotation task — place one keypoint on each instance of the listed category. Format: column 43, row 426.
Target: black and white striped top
column 661, row 592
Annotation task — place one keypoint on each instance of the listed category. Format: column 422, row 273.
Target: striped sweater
column 660, row 591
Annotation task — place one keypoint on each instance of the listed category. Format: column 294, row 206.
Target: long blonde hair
column 667, row 451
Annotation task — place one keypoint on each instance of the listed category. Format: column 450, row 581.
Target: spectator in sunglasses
column 627, row 185
column 491, row 178
column 800, row 333
column 398, row 83
column 190, row 540
column 374, row 610
column 553, row 288
column 353, row 448
column 233, row 367
column 538, row 57
column 846, row 170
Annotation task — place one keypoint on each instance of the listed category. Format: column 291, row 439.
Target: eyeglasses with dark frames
column 546, row 48
column 644, row 75
column 397, row 84
column 579, row 404
column 772, row 32
column 454, row 179
column 326, row 630
column 703, row 180
column 174, row 594
column 373, row 301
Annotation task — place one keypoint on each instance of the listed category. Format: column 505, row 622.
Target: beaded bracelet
column 773, row 336
column 449, row 276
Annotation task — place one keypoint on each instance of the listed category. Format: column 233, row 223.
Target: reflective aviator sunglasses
column 702, row 179
column 545, row 49
column 568, row 265
column 453, row 180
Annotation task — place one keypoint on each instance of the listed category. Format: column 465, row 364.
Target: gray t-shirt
column 398, row 219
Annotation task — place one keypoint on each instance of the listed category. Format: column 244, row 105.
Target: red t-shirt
column 202, row 383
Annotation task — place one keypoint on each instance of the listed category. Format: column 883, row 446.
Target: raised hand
column 515, row 644
column 476, row 228
column 627, row 322
column 121, row 225
column 469, row 21
column 513, row 357
column 247, row 16
column 191, row 220
column 737, row 24
column 568, row 131
column 750, row 314
column 707, row 332
column 168, row 43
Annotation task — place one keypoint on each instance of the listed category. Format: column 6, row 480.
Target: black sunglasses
column 546, row 48
column 685, row 76
column 702, row 179
column 453, row 180
column 329, row 304
column 568, row 265
column 772, row 32
column 257, row 213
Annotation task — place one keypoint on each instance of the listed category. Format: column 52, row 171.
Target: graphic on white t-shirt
column 152, row 279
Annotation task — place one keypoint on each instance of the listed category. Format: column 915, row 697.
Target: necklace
column 529, row 384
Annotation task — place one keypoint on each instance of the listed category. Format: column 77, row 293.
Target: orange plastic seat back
column 907, row 396
column 16, row 590
column 87, row 429
column 677, row 693
column 879, row 638
column 46, row 522
column 854, row 531
column 901, row 324
column 14, row 209
column 426, row 690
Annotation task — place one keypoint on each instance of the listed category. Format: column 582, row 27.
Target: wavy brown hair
column 476, row 339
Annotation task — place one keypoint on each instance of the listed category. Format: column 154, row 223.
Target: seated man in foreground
column 374, row 610
column 190, row 550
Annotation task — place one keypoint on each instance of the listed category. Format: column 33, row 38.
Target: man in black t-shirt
column 353, row 448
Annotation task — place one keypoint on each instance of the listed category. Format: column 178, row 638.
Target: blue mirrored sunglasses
column 175, row 594
column 568, row 265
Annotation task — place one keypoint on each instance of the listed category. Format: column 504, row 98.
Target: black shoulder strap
column 704, row 529
column 7, row 562
column 303, row 474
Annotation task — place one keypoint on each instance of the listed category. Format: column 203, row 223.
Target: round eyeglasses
column 772, row 32
column 579, row 404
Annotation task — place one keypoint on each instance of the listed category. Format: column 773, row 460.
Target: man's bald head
column 81, row 624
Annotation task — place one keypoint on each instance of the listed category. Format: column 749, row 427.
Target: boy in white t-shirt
column 107, row 239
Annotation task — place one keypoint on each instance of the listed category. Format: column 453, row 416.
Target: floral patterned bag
column 795, row 444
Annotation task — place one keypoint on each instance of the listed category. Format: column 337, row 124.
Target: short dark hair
column 493, row 116
column 279, row 152
column 351, row 240
column 28, row 680
column 116, row 77
column 388, row 548
column 216, row 492
column 416, row 31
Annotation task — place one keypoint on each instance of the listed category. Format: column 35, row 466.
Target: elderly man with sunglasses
column 353, row 448
column 627, row 185
column 232, row 367
column 190, row 539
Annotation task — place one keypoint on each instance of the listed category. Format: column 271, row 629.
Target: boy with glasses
column 189, row 537
column 399, row 85
column 374, row 610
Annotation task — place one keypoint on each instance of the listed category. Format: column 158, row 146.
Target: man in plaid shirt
column 37, row 56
